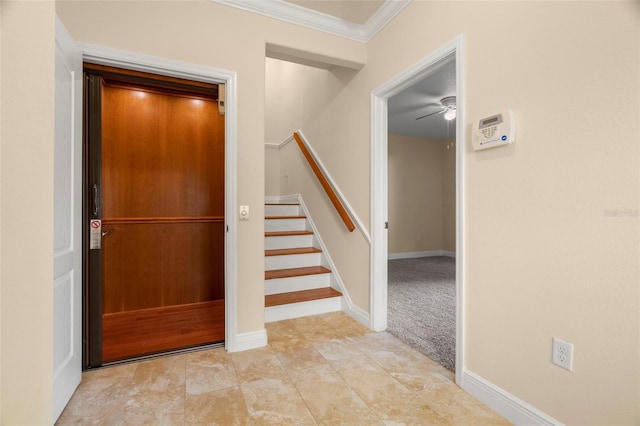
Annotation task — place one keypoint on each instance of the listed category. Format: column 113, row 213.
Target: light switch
column 244, row 212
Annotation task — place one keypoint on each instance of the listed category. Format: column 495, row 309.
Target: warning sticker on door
column 95, row 235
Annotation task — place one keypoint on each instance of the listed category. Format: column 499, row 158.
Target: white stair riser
column 292, row 261
column 285, row 225
column 286, row 285
column 281, row 210
column 290, row 241
column 302, row 309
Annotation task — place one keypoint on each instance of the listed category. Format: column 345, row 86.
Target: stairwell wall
column 314, row 99
column 271, row 171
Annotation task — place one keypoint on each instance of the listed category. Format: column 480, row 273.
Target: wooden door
column 161, row 187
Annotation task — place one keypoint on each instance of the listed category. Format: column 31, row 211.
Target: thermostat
column 495, row 130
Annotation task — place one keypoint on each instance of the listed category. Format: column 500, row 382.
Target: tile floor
column 325, row 369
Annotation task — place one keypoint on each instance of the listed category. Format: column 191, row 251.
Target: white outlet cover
column 562, row 354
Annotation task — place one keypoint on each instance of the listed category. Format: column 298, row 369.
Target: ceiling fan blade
column 433, row 113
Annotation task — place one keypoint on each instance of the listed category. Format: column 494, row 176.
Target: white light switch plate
column 244, row 213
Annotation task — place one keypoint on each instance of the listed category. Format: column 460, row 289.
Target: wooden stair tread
column 300, row 296
column 284, row 252
column 295, row 272
column 285, row 217
column 286, row 233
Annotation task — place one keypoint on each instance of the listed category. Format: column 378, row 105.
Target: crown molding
column 389, row 10
column 294, row 14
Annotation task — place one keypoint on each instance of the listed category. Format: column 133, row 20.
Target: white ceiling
column 424, row 98
column 338, row 17
column 413, row 102
column 357, row 11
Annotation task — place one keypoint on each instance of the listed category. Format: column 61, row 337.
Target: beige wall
column 552, row 227
column 449, row 195
column 26, row 225
column 551, row 221
column 1, row 32
column 416, row 193
column 422, row 194
column 272, row 171
column 546, row 253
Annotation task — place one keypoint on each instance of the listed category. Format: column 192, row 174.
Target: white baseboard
column 302, row 309
column 293, row 198
column 356, row 313
column 513, row 409
column 414, row 254
column 346, row 304
column 246, row 341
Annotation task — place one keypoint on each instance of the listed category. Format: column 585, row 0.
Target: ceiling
column 356, row 11
column 360, row 20
column 416, row 100
column 424, row 98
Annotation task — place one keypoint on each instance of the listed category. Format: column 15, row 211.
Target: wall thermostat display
column 496, row 130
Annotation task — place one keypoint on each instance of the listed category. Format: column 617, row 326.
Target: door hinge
column 227, row 228
column 386, row 225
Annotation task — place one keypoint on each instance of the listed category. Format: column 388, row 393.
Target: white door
column 67, row 235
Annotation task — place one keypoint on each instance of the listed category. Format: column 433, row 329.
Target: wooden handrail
column 325, row 184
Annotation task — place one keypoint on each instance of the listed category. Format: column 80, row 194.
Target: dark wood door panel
column 148, row 331
column 148, row 265
column 161, row 154
column 156, row 178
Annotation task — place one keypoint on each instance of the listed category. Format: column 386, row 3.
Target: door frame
column 154, row 65
column 379, row 187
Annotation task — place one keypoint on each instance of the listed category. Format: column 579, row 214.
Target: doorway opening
column 380, row 98
column 422, row 186
column 154, row 214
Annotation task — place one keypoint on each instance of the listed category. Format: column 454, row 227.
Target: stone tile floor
column 324, row 369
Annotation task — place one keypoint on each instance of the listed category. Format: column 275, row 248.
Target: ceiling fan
column 448, row 107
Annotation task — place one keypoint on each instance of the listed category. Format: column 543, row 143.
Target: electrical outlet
column 562, row 354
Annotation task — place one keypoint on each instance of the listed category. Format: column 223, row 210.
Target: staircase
column 298, row 281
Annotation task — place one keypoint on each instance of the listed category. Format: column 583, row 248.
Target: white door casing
column 67, row 233
column 379, row 187
column 101, row 55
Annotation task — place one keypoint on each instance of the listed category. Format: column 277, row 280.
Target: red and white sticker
column 95, row 235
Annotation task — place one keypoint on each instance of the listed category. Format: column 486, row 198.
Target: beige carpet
column 421, row 306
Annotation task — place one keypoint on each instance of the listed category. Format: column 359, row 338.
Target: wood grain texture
column 284, row 252
column 161, row 264
column 295, row 272
column 300, row 296
column 286, row 233
column 342, row 212
column 148, row 331
column 162, row 155
column 163, row 215
column 154, row 81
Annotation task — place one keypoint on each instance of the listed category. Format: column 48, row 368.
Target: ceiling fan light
column 450, row 114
